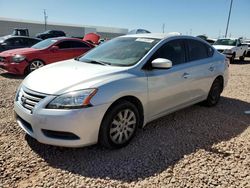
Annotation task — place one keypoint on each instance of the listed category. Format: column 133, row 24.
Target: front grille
column 29, row 99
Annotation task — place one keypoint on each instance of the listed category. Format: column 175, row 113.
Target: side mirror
column 161, row 63
column 54, row 48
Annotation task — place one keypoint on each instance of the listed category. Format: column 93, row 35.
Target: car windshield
column 44, row 44
column 228, row 42
column 124, row 51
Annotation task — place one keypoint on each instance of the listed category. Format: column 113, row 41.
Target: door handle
column 186, row 75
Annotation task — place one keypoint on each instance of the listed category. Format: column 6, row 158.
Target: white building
column 7, row 25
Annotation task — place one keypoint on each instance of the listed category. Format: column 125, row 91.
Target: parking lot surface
column 194, row 147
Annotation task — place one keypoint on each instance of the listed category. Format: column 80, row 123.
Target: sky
column 192, row 17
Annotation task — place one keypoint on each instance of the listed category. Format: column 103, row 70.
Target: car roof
column 228, row 38
column 65, row 38
column 11, row 36
column 151, row 35
column 162, row 36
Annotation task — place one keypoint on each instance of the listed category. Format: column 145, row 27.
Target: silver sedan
column 108, row 93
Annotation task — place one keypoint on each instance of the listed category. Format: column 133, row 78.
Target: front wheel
column 34, row 65
column 214, row 93
column 119, row 125
column 243, row 56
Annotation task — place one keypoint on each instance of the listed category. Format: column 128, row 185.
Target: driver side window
column 173, row 50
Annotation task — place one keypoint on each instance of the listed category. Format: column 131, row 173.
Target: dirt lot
column 194, row 147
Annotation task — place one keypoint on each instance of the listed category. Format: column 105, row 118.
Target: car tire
column 119, row 125
column 34, row 65
column 232, row 58
column 214, row 93
column 243, row 56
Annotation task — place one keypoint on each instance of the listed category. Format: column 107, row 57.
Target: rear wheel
column 34, row 65
column 214, row 93
column 119, row 125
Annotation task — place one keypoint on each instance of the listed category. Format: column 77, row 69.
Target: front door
column 168, row 88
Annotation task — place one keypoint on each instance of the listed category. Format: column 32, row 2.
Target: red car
column 25, row 60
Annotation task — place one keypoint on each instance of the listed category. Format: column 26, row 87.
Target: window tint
column 64, row 44
column 78, row 44
column 33, row 41
column 72, row 44
column 25, row 41
column 15, row 42
column 198, row 50
column 173, row 50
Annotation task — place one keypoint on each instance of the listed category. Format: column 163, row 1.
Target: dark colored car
column 13, row 42
column 50, row 34
column 25, row 60
column 138, row 31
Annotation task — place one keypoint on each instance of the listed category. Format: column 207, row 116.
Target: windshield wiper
column 98, row 62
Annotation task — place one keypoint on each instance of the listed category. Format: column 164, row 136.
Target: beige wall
column 6, row 28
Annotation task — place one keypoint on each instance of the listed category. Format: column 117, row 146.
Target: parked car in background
column 209, row 40
column 26, row 60
column 92, row 38
column 20, row 32
column 138, row 31
column 247, row 42
column 50, row 34
column 232, row 48
column 118, row 87
column 12, row 42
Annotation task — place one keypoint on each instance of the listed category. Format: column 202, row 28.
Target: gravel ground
column 194, row 147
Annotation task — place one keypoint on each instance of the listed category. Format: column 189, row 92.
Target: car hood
column 70, row 75
column 222, row 47
column 20, row 51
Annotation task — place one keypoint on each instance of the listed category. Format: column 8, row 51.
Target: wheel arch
column 134, row 100
column 221, row 79
column 26, row 70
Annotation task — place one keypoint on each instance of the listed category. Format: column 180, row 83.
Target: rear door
column 200, row 68
column 79, row 48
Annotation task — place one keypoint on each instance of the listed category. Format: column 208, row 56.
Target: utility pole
column 163, row 28
column 45, row 19
column 228, row 19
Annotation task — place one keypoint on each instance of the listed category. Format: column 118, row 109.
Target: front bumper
column 14, row 68
column 83, row 123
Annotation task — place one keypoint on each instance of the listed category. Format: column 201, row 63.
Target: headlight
column 228, row 51
column 73, row 100
column 18, row 58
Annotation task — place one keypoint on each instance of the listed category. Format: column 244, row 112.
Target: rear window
column 199, row 50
